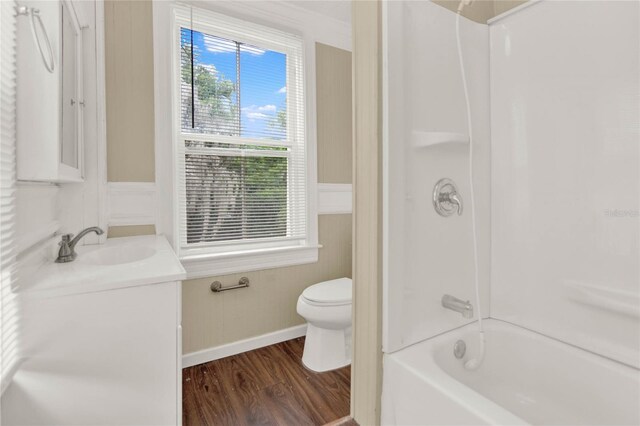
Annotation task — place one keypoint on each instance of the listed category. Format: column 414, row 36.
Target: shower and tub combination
column 511, row 159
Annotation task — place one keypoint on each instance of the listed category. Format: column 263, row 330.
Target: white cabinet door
column 106, row 358
column 50, row 86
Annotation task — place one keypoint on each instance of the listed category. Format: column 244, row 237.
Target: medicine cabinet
column 50, row 99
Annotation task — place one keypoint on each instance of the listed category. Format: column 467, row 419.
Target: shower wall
column 565, row 173
column 426, row 255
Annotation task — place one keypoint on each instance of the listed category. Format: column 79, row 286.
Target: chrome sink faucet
column 455, row 304
column 67, row 245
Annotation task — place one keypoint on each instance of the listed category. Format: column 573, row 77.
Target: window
column 241, row 153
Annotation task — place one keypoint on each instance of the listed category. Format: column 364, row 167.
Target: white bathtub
column 526, row 378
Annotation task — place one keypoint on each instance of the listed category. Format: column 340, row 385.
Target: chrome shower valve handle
column 446, row 199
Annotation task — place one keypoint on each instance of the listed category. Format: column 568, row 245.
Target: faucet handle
column 454, row 198
column 65, row 254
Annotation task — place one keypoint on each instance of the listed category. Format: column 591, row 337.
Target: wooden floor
column 267, row 386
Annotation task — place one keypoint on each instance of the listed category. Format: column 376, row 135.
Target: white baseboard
column 222, row 351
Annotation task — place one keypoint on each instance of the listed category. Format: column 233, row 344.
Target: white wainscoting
column 135, row 203
column 334, row 198
column 234, row 348
column 37, row 222
column 131, row 203
column 36, row 213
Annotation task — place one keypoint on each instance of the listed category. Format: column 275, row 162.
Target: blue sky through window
column 262, row 80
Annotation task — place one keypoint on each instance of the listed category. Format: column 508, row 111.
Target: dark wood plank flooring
column 267, row 386
column 345, row 421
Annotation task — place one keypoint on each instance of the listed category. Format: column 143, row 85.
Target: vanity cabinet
column 50, row 101
column 101, row 339
column 100, row 358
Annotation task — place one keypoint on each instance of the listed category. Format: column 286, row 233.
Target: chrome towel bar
column 216, row 286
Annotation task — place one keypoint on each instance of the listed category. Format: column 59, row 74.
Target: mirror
column 71, row 87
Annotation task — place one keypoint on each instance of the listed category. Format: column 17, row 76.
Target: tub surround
column 429, row 255
column 565, row 173
column 558, row 181
column 481, row 10
column 563, row 231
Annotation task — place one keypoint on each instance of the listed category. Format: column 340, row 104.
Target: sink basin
column 117, row 255
column 118, row 263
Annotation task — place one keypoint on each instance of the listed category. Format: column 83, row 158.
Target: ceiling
column 336, row 9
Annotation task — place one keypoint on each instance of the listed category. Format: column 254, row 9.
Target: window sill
column 211, row 265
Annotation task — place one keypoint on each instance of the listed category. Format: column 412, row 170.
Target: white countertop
column 86, row 275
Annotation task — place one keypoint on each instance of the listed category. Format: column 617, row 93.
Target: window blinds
column 8, row 301
column 241, row 150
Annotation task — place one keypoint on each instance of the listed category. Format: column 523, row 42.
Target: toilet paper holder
column 216, row 286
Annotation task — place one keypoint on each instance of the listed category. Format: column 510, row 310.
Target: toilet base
column 326, row 349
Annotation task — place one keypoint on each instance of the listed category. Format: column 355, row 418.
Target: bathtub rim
column 491, row 321
column 433, row 374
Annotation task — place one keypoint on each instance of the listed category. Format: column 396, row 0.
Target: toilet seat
column 329, row 293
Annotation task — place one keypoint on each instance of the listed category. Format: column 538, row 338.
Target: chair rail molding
column 135, row 203
column 131, row 203
column 335, row 198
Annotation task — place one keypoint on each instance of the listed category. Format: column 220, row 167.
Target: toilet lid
column 329, row 292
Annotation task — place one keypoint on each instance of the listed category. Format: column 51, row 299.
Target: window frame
column 238, row 255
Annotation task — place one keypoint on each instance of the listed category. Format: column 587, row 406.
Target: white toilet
column 327, row 308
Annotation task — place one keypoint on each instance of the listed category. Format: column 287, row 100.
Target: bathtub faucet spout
column 455, row 304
